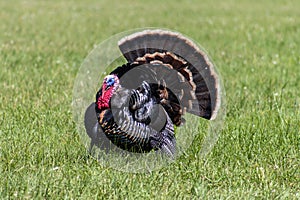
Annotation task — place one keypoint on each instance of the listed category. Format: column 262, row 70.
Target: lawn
column 255, row 46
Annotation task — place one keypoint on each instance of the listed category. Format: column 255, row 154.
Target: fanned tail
column 199, row 89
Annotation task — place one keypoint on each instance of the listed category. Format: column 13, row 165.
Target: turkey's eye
column 110, row 81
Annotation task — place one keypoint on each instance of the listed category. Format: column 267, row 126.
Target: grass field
column 255, row 46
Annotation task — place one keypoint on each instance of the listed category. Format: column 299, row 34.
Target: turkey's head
column 109, row 86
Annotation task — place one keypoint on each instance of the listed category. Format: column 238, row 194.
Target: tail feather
column 189, row 61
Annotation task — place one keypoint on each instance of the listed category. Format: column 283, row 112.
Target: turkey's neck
column 103, row 103
column 103, row 100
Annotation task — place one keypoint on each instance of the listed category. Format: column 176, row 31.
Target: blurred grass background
column 255, row 46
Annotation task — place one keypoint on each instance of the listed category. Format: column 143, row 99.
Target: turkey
column 141, row 101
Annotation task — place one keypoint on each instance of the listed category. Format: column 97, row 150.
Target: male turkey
column 140, row 102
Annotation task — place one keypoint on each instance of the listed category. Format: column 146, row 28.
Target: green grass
column 255, row 46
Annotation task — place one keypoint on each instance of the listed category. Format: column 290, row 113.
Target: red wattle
column 103, row 100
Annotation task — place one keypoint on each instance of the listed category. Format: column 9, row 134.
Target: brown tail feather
column 175, row 51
